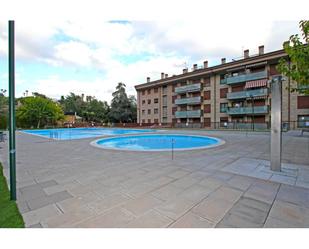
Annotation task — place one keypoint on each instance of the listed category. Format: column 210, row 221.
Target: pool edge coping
column 220, row 142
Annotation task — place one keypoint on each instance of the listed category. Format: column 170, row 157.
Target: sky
column 62, row 49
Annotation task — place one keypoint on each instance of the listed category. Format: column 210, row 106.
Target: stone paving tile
column 37, row 225
column 195, row 193
column 240, row 182
column 191, row 220
column 139, row 190
column 115, row 218
column 31, row 192
column 227, row 194
column 35, row 216
column 70, row 218
column 161, row 181
column 275, row 223
column 224, row 176
column 250, row 211
column 175, row 208
column 179, row 173
column 211, row 183
column 212, row 209
column 235, row 221
column 290, row 213
column 283, row 179
column 150, row 219
column 101, row 206
column 200, row 175
column 185, row 182
column 46, row 200
column 295, row 195
column 167, row 192
column 263, row 191
column 141, row 205
column 48, row 183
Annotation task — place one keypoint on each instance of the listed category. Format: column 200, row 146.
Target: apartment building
column 236, row 92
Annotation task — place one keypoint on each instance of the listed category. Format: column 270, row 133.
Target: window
column 149, row 111
column 222, row 79
column 155, row 90
column 143, row 92
column 143, row 102
column 207, row 108
column 303, row 102
column 149, row 121
column 149, row 91
column 223, row 92
column 174, row 109
column 143, row 112
column 149, row 101
column 207, row 82
column 207, row 122
column 156, row 111
column 173, row 99
column 164, row 120
column 164, row 90
column 143, row 121
column 206, row 95
column 223, row 107
column 303, row 121
column 165, row 100
column 164, row 114
column 156, row 101
column 156, row 121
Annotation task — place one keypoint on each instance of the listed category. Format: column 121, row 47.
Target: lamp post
column 12, row 123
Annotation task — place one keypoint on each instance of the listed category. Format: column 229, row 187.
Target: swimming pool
column 158, row 142
column 78, row 133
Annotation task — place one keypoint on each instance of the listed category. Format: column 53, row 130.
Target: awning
column 256, row 83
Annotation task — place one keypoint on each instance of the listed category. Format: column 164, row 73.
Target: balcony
column 247, row 94
column 246, row 77
column 189, row 88
column 247, row 110
column 194, row 100
column 188, row 114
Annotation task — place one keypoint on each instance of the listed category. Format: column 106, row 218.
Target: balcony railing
column 246, row 77
column 248, row 110
column 248, row 94
column 194, row 100
column 188, row 88
column 188, row 114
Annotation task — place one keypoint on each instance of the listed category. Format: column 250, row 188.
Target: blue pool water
column 158, row 142
column 77, row 133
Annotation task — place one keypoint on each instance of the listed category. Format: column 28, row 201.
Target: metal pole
column 12, row 123
column 275, row 143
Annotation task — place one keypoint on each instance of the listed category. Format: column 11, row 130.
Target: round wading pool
column 158, row 142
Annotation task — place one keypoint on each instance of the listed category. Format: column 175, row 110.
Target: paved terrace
column 72, row 184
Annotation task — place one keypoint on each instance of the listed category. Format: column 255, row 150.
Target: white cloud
column 81, row 37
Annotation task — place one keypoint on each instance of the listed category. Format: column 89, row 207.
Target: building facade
column 236, row 92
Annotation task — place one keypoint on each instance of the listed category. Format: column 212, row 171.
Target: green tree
column 72, row 103
column 123, row 109
column 37, row 112
column 296, row 66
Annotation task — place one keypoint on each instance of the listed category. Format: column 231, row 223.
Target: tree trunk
column 38, row 126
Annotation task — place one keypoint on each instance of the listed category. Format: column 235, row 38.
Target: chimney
column 194, row 67
column 162, row 75
column 185, row 70
column 246, row 53
column 166, row 75
column 223, row 60
column 261, row 49
column 148, row 79
column 205, row 64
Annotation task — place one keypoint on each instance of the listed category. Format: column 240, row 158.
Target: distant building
column 237, row 91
